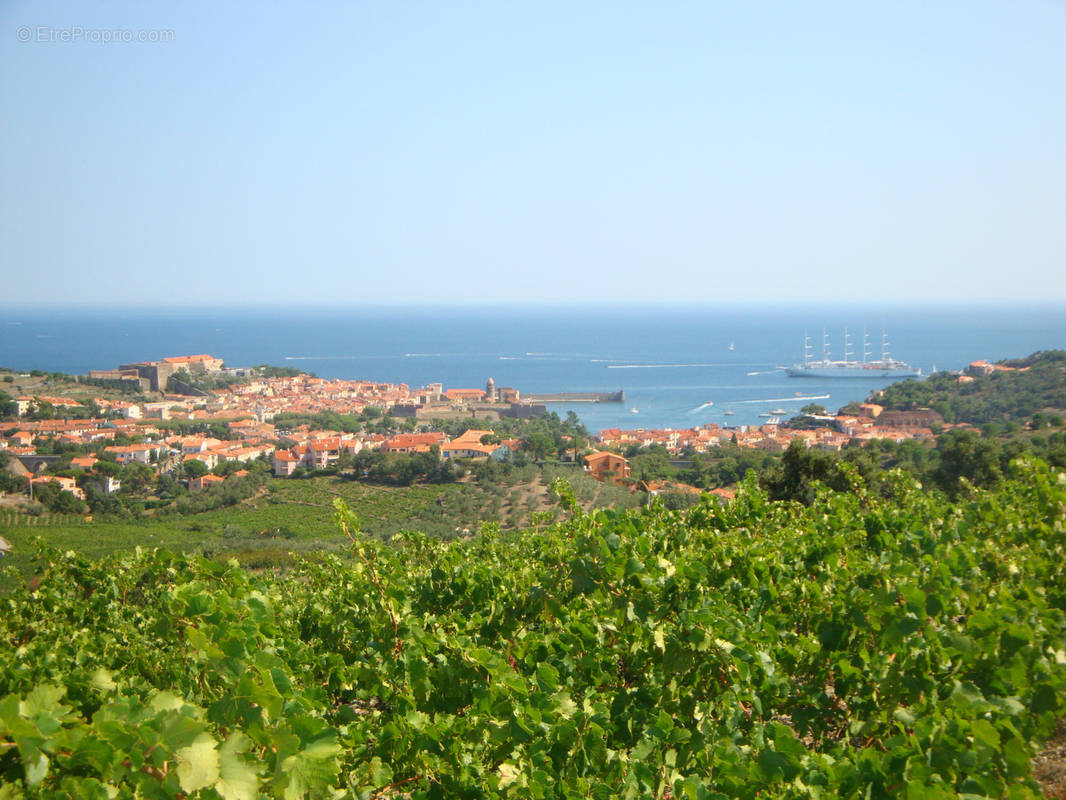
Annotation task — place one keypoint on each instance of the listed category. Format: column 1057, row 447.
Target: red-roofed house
column 285, row 463
column 413, row 442
column 66, row 484
column 606, row 466
column 468, row 445
column 201, row 483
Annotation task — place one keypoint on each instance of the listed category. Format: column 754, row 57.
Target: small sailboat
column 732, row 346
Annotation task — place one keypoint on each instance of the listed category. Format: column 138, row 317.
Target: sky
column 368, row 153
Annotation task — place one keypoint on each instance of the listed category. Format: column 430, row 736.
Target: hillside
column 858, row 647
column 1014, row 391
column 287, row 518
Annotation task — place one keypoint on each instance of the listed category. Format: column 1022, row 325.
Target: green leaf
column 198, row 764
column 564, row 705
column 43, row 699
column 547, row 677
column 308, row 771
column 508, row 774
column 167, row 701
column 36, row 768
column 103, row 680
column 237, row 778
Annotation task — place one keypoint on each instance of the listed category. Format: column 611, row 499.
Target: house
column 606, row 466
column 105, row 484
column 468, row 445
column 285, row 463
column 209, row 460
column 198, row 444
column 413, row 442
column 723, row 496
column 21, row 439
column 872, row 410
column 323, row 453
column 670, row 487
column 204, row 481
column 141, row 453
column 66, row 484
column 919, row 418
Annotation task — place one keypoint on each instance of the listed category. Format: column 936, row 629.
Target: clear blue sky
column 423, row 152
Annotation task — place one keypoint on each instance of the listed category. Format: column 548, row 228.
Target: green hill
column 1035, row 384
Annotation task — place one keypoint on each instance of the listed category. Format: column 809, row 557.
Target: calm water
column 670, row 362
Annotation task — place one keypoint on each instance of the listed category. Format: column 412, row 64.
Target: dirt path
column 1049, row 766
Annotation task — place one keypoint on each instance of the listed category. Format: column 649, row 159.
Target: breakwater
column 578, row 397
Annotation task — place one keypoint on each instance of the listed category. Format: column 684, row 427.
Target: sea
column 678, row 366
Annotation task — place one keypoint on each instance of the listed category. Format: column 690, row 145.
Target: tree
column 964, row 454
column 136, row 477
column 800, row 465
column 814, row 408
column 195, row 469
column 540, row 445
column 110, row 469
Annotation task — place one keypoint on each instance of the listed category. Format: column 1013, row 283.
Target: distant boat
column 732, row 346
column 778, row 412
column 729, row 412
column 885, row 367
column 633, row 411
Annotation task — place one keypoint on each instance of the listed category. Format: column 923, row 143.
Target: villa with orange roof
column 468, row 445
column 66, row 484
column 607, row 466
column 413, row 442
column 204, row 481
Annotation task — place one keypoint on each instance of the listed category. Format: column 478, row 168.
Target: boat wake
column 788, row 399
column 700, row 408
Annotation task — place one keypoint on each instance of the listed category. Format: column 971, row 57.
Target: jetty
column 579, row 397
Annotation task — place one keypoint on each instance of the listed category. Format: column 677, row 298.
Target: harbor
column 578, row 397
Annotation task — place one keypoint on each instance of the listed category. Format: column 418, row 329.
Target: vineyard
column 859, row 647
column 296, row 516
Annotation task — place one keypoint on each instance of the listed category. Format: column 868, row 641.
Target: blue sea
column 675, row 364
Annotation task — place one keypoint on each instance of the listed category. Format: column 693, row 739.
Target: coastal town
column 237, row 427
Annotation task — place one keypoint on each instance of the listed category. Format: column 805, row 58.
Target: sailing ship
column 848, row 367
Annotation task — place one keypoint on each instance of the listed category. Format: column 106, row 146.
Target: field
column 296, row 516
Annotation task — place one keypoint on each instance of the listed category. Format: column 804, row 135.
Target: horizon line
column 542, row 305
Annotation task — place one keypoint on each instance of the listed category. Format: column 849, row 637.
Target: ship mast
column 884, row 347
column 806, row 348
column 847, row 344
column 865, row 344
column 825, row 345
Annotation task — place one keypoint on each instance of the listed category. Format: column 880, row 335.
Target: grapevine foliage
column 854, row 648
